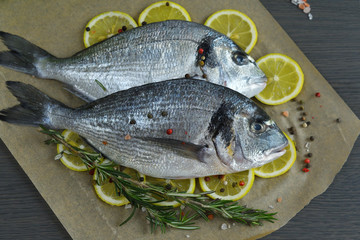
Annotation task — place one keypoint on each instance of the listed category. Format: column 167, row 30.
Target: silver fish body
column 151, row 53
column 180, row 128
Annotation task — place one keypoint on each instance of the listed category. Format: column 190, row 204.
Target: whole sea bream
column 151, row 53
column 181, row 128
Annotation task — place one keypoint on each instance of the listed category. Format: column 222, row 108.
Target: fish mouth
column 260, row 81
column 275, row 153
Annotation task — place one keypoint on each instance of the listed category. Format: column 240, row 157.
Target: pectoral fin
column 187, row 149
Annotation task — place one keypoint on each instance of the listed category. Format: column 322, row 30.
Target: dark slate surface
column 332, row 43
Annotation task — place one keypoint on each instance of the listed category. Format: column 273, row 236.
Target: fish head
column 236, row 69
column 250, row 140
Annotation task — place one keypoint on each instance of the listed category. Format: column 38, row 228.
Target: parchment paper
column 57, row 26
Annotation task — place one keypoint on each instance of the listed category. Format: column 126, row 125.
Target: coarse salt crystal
column 143, row 209
column 224, row 226
column 127, row 206
column 307, row 10
column 271, row 206
column 310, row 16
column 187, row 236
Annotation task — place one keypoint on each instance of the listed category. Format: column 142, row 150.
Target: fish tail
column 23, row 55
column 35, row 108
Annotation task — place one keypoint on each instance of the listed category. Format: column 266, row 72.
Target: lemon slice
column 162, row 11
column 107, row 191
column 181, row 185
column 228, row 187
column 280, row 165
column 106, row 25
column 285, row 79
column 71, row 161
column 236, row 25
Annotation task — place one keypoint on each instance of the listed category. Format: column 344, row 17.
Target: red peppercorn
column 182, row 213
column 201, row 51
column 92, row 171
column 241, row 183
column 120, row 30
column 207, row 179
column 110, row 180
column 305, row 170
column 221, row 176
column 169, row 131
column 307, row 160
column 317, row 94
column 105, row 142
column 210, row 216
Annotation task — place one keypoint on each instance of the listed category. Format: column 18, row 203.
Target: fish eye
column 257, row 127
column 240, row 58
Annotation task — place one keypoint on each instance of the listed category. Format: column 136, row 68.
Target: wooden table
column 332, row 43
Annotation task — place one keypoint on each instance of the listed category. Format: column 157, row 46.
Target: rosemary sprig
column 141, row 195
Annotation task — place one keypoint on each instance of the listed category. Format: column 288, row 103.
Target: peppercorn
column 169, row 131
column 301, row 108
column 308, row 123
column 312, row 138
column 233, row 184
column 221, row 176
column 304, row 125
column 124, row 28
column 201, row 63
column 307, row 160
column 141, row 179
column 307, row 165
column 187, row 75
column 143, row 23
column 207, row 179
column 210, row 216
column 132, row 121
column 293, row 100
column 302, row 118
column 305, row 170
column 204, row 75
column 164, row 113
column 168, row 186
column 317, row 94
column 150, row 115
column 167, row 4
column 300, row 102
column 92, row 171
column 87, row 29
column 241, row 183
column 304, row 113
column 222, row 189
column 201, row 51
column 202, row 58
column 338, row 120
column 309, row 154
column 285, row 113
